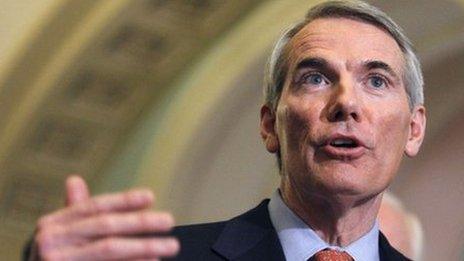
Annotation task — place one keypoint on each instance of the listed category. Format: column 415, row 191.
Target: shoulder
column 206, row 233
column 196, row 240
column 212, row 241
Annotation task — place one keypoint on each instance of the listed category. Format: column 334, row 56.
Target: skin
column 344, row 78
column 105, row 227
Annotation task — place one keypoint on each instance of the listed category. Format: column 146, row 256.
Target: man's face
column 342, row 122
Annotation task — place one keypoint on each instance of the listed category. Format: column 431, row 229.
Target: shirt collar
column 300, row 242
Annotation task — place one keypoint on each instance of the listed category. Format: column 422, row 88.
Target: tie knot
column 332, row 255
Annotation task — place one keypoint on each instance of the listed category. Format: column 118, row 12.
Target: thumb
column 76, row 190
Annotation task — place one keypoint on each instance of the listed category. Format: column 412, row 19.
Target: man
column 343, row 103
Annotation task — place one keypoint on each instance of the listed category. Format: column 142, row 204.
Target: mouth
column 344, row 143
column 344, row 147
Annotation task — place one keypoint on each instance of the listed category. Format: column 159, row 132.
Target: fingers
column 115, row 226
column 107, row 225
column 120, row 202
column 76, row 190
column 124, row 224
column 120, row 249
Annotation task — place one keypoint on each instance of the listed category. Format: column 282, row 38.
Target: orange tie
column 332, row 255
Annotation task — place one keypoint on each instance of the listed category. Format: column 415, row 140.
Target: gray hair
column 277, row 65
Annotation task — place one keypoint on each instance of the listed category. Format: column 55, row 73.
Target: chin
column 346, row 180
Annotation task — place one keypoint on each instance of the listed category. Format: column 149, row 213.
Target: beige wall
column 18, row 21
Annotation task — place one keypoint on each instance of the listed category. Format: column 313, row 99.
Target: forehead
column 346, row 42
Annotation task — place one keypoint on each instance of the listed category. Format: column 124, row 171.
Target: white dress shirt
column 300, row 242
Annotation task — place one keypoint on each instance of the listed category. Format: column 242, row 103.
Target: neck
column 339, row 220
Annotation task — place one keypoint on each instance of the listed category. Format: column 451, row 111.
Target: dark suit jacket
column 249, row 236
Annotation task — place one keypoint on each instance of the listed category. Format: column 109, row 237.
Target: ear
column 416, row 131
column 268, row 120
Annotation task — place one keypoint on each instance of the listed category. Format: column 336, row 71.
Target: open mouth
column 344, row 143
column 344, row 147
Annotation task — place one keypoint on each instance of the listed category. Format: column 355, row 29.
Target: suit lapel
column 250, row 236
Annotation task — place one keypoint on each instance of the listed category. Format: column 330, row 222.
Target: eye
column 377, row 82
column 314, row 79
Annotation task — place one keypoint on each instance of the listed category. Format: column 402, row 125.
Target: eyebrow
column 374, row 64
column 312, row 63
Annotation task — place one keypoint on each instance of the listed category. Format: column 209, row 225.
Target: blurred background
column 165, row 94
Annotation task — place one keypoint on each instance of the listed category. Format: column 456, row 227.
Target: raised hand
column 116, row 226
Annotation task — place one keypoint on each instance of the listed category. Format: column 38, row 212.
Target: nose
column 344, row 103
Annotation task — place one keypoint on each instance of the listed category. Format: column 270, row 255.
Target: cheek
column 291, row 129
column 296, row 125
column 391, row 139
column 298, row 122
column 394, row 129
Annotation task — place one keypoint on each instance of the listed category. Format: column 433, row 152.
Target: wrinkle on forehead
column 324, row 36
